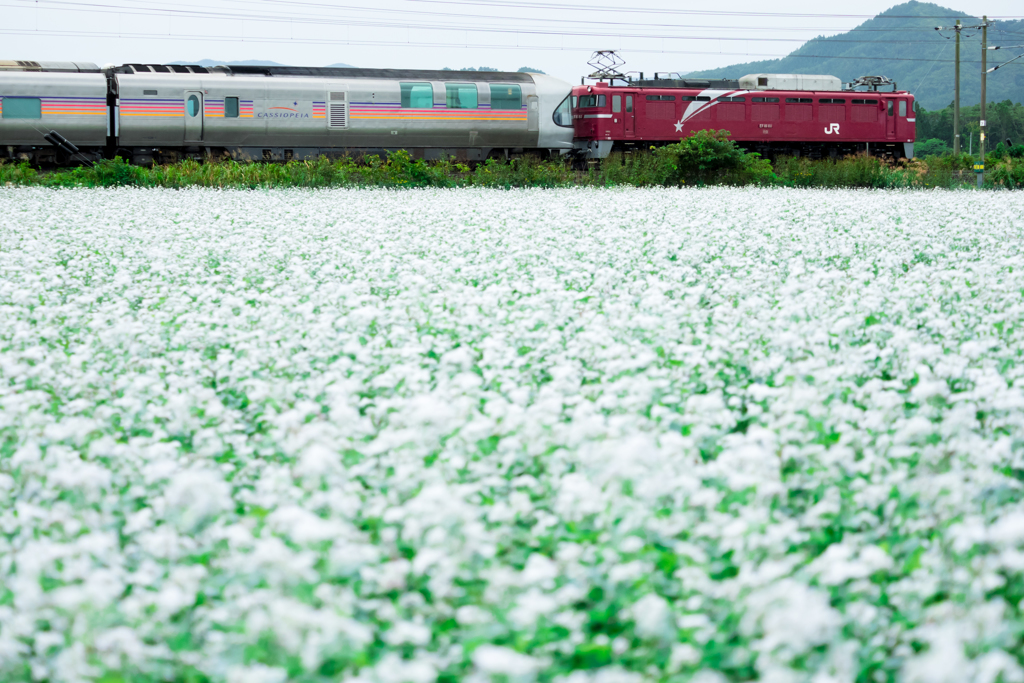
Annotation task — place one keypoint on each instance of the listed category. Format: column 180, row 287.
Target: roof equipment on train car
column 790, row 82
column 50, row 67
column 606, row 65
column 871, row 82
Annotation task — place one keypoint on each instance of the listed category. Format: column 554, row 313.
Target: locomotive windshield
column 592, row 101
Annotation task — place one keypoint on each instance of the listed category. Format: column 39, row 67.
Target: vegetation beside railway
column 706, row 158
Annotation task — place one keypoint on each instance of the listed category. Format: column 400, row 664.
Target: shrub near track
column 705, row 158
column 574, row 435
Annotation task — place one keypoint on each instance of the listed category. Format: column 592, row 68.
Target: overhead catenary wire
column 725, row 13
column 325, row 41
column 1000, row 66
column 93, row 7
column 290, row 15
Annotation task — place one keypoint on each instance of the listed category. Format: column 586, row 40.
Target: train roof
column 722, row 84
column 335, row 72
column 386, row 74
column 53, row 67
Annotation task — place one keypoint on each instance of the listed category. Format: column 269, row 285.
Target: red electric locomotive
column 773, row 114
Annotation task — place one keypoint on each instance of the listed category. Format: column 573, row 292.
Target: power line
column 620, row 9
column 93, row 7
column 574, row 20
column 316, row 41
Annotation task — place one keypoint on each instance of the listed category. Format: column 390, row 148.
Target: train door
column 532, row 113
column 890, row 119
column 193, row 116
column 629, row 115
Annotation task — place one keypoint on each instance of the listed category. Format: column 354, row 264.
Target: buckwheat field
column 575, row 436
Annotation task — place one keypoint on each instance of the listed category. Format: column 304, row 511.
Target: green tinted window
column 22, row 108
column 417, row 96
column 460, row 95
column 506, row 96
column 231, row 107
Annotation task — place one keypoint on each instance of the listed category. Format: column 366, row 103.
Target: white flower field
column 575, row 436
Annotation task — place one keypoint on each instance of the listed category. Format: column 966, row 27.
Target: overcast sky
column 557, row 36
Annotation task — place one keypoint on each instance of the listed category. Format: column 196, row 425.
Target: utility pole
column 984, row 74
column 956, row 95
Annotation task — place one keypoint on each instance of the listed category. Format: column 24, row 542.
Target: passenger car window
column 22, row 108
column 903, row 107
column 460, row 95
column 231, row 107
column 417, row 95
column 193, row 105
column 563, row 114
column 507, row 96
column 616, row 104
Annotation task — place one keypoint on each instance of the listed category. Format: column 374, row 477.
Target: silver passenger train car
column 37, row 97
column 162, row 113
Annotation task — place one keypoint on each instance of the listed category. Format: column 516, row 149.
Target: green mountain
column 902, row 43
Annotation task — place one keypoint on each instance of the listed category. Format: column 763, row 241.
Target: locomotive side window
column 417, row 95
column 616, row 104
column 799, row 100
column 732, row 99
column 669, row 98
column 231, row 107
column 563, row 114
column 509, row 96
column 903, row 107
column 889, row 103
column 688, row 98
column 22, row 108
column 833, row 100
column 764, row 99
column 629, row 103
column 460, row 95
column 865, row 101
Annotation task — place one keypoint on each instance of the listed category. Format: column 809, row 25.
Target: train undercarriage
column 812, row 150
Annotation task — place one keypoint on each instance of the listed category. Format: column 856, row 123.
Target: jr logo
column 832, row 128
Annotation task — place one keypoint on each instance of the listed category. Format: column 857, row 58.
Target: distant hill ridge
column 906, row 50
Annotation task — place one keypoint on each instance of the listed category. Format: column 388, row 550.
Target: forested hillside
column 902, row 43
column 935, row 128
